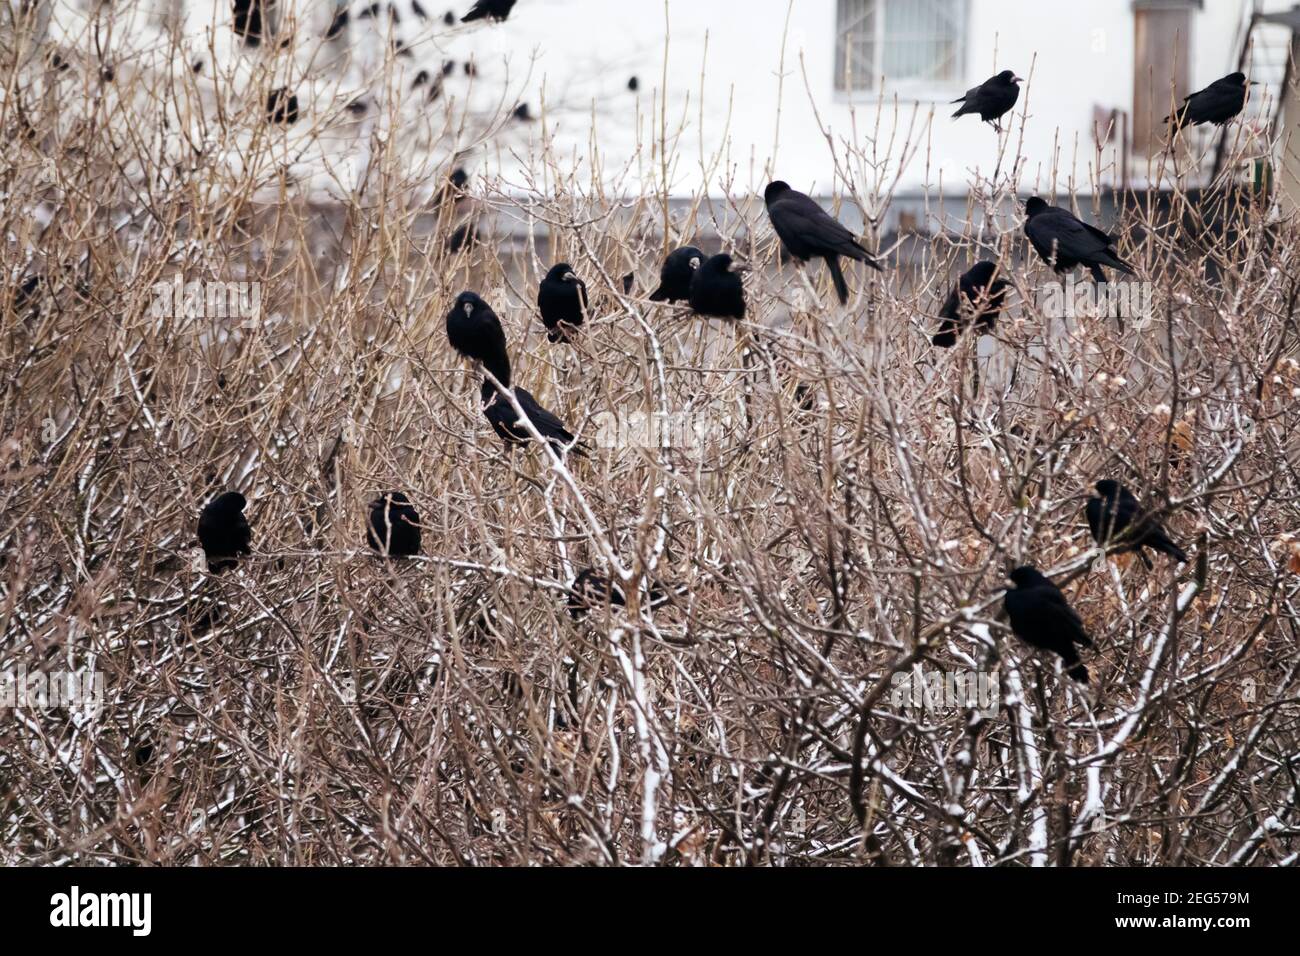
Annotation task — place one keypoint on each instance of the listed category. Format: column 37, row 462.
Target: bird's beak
column 569, row 277
column 739, row 267
column 695, row 262
column 469, row 308
column 1254, row 83
column 1017, row 79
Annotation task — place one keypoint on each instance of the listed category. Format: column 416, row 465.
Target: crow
column 992, row 99
column 808, row 232
column 282, row 106
column 591, row 590
column 676, row 275
column 248, row 20
column 1042, row 618
column 224, row 532
column 1217, row 103
column 393, row 527
column 717, row 290
column 562, row 298
column 474, row 331
column 1115, row 517
column 503, row 418
column 1060, row 238
column 496, row 10
column 979, row 295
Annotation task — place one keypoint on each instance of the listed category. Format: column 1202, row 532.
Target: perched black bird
column 224, row 532
column 474, row 331
column 717, row 290
column 418, row 10
column 393, row 526
column 464, row 236
column 1059, row 237
column 992, row 99
column 633, row 84
column 496, row 10
column 25, row 299
column 592, row 590
column 504, row 420
column 1115, row 516
column 248, row 20
column 807, row 231
column 1217, row 103
column 523, row 113
column 979, row 295
column 562, row 298
column 1042, row 618
column 282, row 106
column 338, row 23
column 676, row 275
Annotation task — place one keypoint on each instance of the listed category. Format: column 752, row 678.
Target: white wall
column 1077, row 55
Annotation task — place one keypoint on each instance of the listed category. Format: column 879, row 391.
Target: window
column 917, row 43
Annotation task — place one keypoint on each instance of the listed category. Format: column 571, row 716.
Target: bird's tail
column 1162, row 544
column 659, row 295
column 1145, row 560
column 837, row 276
column 946, row 337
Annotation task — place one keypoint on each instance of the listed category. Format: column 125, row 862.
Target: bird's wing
column 545, row 422
column 1045, row 612
column 802, row 217
column 1072, row 237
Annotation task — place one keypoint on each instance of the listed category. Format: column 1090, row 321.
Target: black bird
column 633, row 84
column 418, row 10
column 1217, row 103
column 807, row 231
column 248, row 20
column 717, row 290
column 224, row 532
column 282, row 106
column 393, row 527
column 338, row 23
column 1060, row 237
column 979, row 295
column 992, row 99
column 504, row 420
column 523, row 113
column 496, row 10
column 474, row 331
column 562, row 298
column 1042, row 618
column 1115, row 516
column 591, row 590
column 676, row 275
column 462, row 238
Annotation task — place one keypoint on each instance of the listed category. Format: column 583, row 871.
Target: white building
column 742, row 91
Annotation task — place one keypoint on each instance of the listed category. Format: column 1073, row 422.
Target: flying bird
column 503, row 418
column 717, row 289
column 676, row 275
column 474, row 331
column 1060, row 237
column 224, row 532
column 809, row 232
column 978, row 295
column 1042, row 618
column 393, row 526
column 1115, row 516
column 496, row 10
column 992, row 99
column 1217, row 103
column 562, row 298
